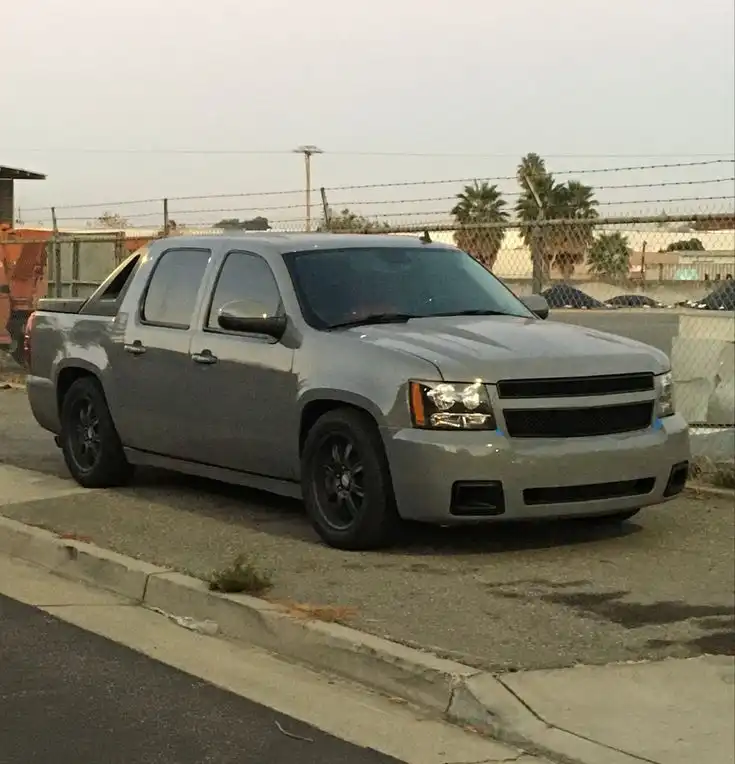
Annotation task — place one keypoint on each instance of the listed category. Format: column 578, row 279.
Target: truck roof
column 276, row 242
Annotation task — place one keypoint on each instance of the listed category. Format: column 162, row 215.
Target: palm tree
column 480, row 219
column 564, row 245
column 609, row 256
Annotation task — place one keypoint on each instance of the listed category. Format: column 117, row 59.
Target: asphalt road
column 70, row 697
column 501, row 598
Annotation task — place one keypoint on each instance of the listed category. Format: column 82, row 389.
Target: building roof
column 11, row 173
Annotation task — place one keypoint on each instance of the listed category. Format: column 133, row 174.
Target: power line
column 425, row 154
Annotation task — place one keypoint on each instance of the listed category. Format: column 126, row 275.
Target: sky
column 142, row 100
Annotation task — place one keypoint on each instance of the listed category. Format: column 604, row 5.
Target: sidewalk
column 668, row 712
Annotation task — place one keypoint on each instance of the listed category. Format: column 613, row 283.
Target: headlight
column 665, row 402
column 455, row 406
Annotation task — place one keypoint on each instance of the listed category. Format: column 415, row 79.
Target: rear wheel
column 347, row 486
column 89, row 441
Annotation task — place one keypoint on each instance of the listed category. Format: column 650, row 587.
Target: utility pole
column 308, row 151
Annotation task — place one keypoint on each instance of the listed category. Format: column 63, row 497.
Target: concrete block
column 718, row 445
column 704, row 377
column 392, row 668
column 709, row 325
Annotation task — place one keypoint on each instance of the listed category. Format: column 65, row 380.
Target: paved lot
column 71, row 697
column 513, row 598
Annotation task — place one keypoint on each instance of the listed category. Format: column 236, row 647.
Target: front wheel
column 347, row 485
column 89, row 441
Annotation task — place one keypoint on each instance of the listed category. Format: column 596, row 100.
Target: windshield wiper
column 375, row 318
column 473, row 313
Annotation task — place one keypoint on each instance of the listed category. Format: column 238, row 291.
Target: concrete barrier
column 703, row 365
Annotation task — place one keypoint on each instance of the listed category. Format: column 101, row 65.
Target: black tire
column 89, row 441
column 370, row 521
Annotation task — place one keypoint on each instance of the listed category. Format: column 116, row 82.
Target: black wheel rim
column 338, row 481
column 85, row 436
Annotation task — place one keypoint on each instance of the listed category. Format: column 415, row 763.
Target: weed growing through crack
column 241, row 577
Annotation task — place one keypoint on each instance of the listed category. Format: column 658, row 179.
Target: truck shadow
column 281, row 516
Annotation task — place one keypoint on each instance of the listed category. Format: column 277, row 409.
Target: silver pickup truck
column 381, row 378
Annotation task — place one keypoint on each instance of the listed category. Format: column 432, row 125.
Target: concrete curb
column 459, row 693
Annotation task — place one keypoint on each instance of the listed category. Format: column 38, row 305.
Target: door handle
column 135, row 348
column 205, row 357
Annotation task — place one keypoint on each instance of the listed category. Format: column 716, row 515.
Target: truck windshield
column 339, row 287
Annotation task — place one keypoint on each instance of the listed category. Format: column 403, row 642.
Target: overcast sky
column 649, row 80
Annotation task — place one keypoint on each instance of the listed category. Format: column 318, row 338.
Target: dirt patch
column 718, row 473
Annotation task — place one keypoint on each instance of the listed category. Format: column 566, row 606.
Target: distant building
column 8, row 176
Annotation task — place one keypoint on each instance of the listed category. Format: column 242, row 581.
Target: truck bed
column 61, row 304
column 74, row 305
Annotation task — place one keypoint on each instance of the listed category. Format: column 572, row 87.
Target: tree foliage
column 258, row 223
column 347, row 221
column 686, row 245
column 563, row 245
column 477, row 205
column 109, row 220
column 609, row 256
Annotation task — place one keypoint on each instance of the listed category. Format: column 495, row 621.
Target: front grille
column 569, row 494
column 578, row 422
column 572, row 387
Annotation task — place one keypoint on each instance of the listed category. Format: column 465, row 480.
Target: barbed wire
column 355, row 205
column 404, row 184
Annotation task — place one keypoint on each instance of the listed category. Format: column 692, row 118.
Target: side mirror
column 250, row 318
column 537, row 304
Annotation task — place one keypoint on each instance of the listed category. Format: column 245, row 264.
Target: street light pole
column 308, row 151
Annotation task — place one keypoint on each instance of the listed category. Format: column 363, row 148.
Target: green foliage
column 480, row 204
column 685, row 245
column 347, row 221
column 240, row 576
column 109, row 220
column 566, row 244
column 609, row 256
column 258, row 223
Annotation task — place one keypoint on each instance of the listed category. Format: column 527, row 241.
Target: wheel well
column 316, row 409
column 67, row 377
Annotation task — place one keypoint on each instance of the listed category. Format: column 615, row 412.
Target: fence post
column 119, row 253
column 58, row 284
column 166, row 221
column 325, row 209
column 75, row 277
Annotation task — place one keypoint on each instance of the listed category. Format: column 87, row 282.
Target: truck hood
column 494, row 348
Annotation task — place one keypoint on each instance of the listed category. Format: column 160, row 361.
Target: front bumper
column 596, row 475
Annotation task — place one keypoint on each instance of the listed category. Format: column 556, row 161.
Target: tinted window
column 172, row 292
column 245, row 278
column 339, row 285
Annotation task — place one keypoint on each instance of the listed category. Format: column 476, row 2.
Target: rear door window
column 171, row 297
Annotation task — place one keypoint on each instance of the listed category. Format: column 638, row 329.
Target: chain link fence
column 666, row 280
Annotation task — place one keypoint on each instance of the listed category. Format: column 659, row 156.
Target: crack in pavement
column 571, row 732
